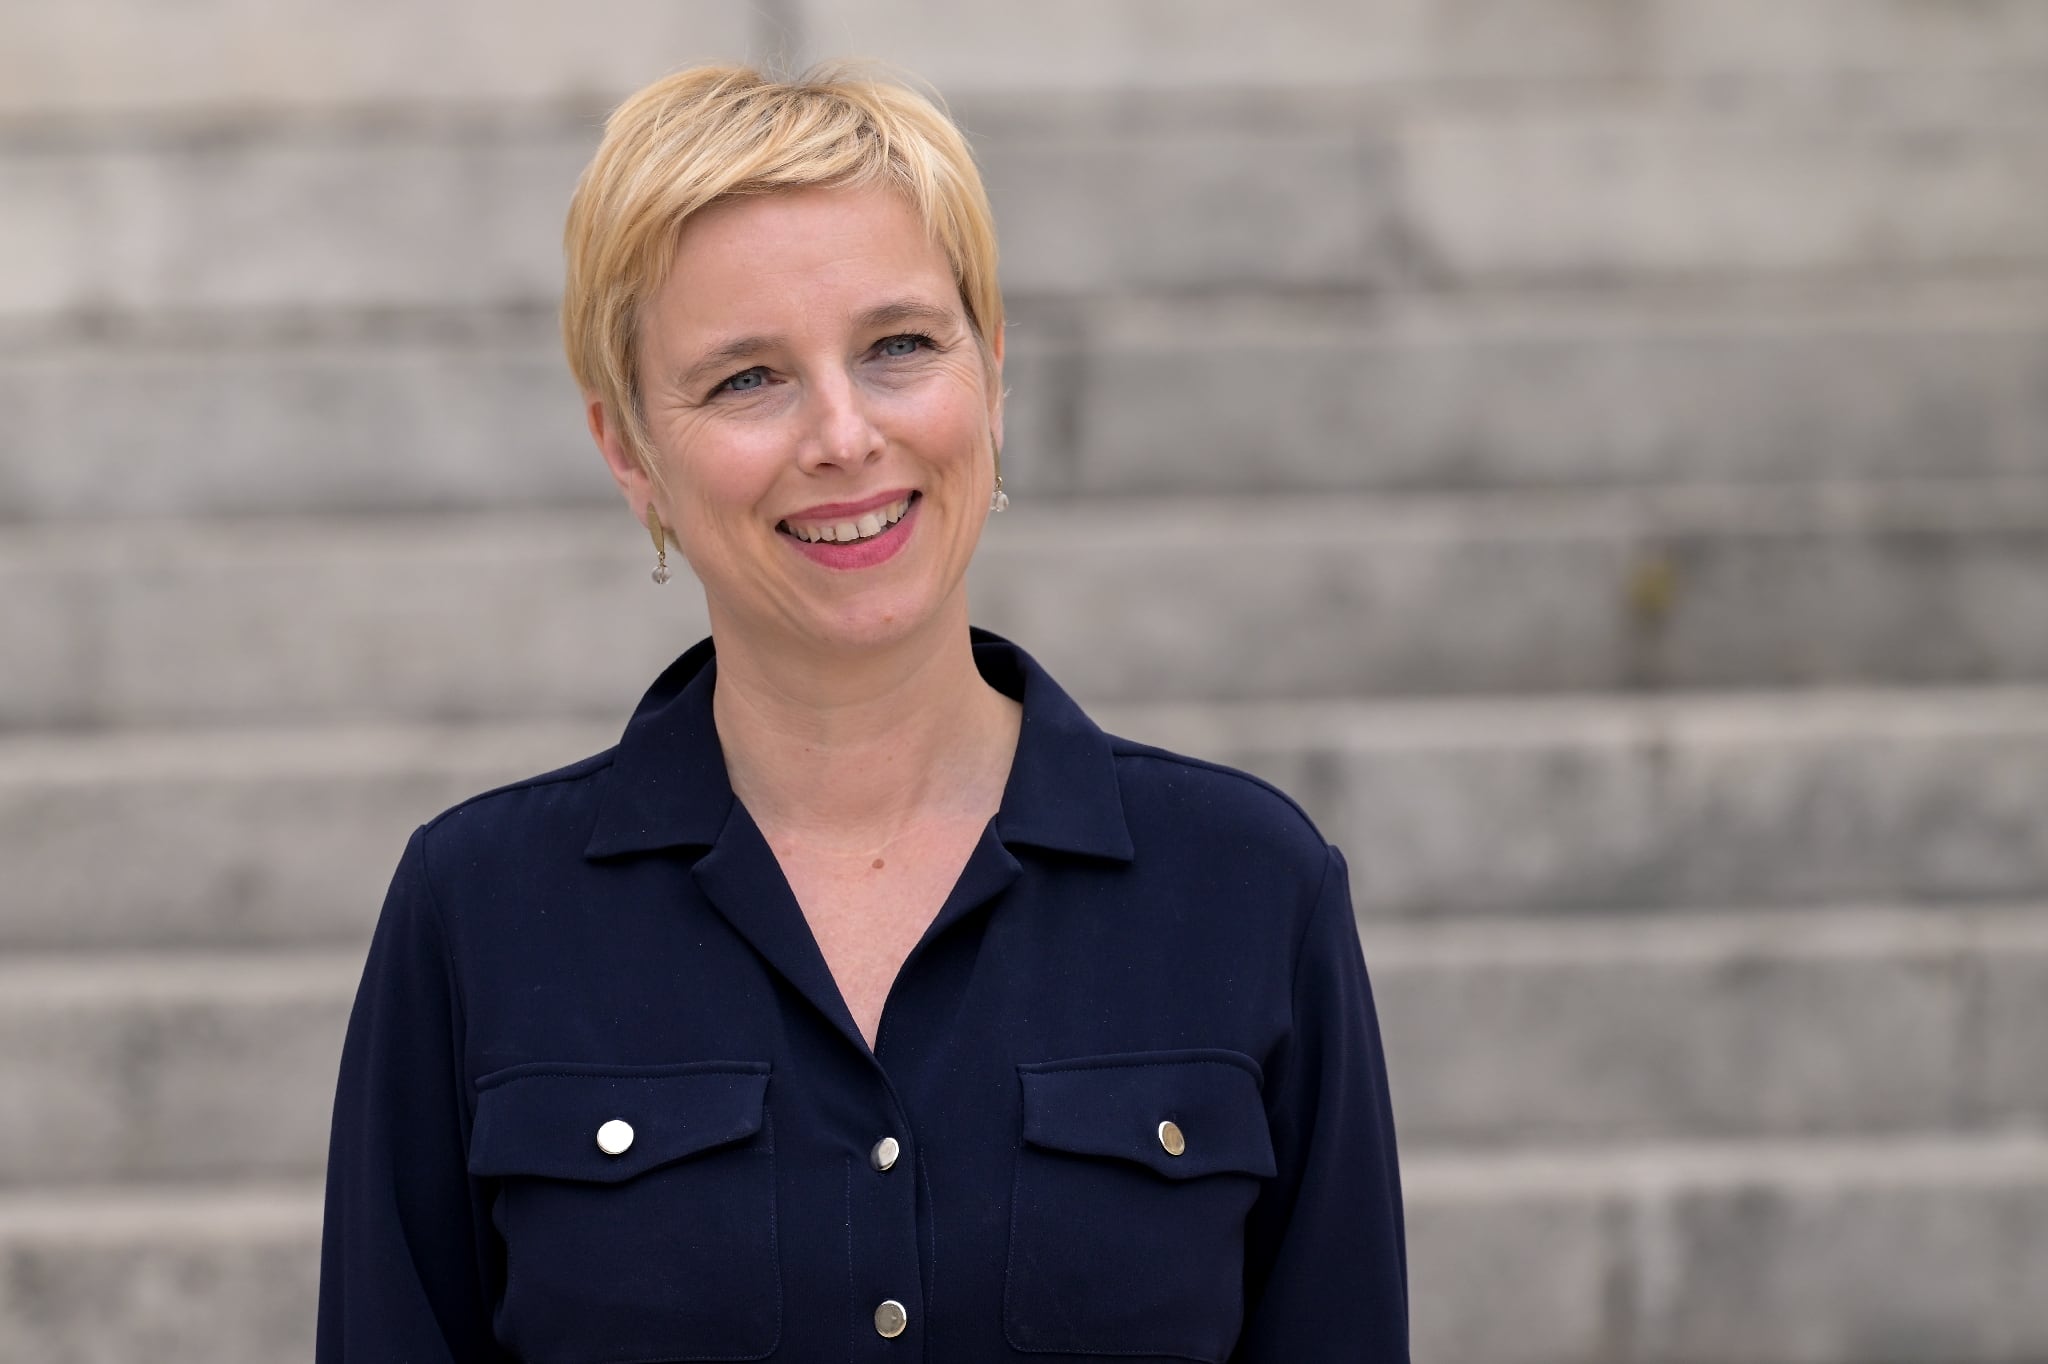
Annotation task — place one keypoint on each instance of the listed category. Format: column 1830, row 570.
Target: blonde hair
column 711, row 133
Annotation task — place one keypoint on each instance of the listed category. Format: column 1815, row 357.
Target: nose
column 839, row 430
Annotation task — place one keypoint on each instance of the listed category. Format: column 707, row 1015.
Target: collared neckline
column 668, row 787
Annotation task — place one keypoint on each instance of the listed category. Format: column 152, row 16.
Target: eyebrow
column 899, row 313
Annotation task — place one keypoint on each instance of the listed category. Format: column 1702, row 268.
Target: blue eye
column 896, row 347
column 746, row 381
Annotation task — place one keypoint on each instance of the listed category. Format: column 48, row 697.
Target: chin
column 870, row 630
column 875, row 622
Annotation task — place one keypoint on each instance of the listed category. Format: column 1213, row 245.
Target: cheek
column 725, row 480
column 953, row 432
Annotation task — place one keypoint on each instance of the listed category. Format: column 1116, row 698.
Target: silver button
column 885, row 1153
column 614, row 1137
column 1171, row 1139
column 890, row 1319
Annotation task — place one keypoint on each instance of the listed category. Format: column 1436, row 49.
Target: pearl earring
column 654, row 528
column 999, row 500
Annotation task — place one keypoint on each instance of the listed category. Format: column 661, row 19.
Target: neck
column 849, row 750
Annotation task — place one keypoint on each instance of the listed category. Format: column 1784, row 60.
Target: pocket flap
column 1114, row 1105
column 544, row 1119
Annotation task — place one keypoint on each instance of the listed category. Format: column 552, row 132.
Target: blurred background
column 1594, row 452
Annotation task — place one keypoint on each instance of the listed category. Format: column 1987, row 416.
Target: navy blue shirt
column 601, row 1100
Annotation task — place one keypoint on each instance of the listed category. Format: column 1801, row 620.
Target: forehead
column 797, row 261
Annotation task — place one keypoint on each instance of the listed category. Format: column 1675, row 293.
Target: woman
column 866, row 1001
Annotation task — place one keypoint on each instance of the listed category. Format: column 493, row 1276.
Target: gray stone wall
column 1595, row 452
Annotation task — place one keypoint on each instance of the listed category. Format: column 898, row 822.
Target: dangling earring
column 998, row 500
column 654, row 528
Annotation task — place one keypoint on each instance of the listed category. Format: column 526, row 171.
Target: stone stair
column 1596, row 455
column 1931, row 582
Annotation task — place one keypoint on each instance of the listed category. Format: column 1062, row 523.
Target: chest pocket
column 637, row 1209
column 1127, row 1217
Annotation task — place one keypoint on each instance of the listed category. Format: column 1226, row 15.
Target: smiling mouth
column 866, row 526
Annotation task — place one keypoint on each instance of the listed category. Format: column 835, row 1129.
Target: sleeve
column 403, row 1246
column 1326, row 1253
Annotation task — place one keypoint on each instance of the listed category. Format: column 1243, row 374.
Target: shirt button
column 890, row 1319
column 614, row 1137
column 1171, row 1139
column 885, row 1153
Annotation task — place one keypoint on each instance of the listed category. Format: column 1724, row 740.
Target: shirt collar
column 667, row 786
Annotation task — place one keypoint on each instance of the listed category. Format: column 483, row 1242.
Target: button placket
column 885, row 1237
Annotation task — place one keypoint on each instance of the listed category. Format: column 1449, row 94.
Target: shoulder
column 1216, row 812
column 550, row 810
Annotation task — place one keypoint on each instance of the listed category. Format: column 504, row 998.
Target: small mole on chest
column 878, row 864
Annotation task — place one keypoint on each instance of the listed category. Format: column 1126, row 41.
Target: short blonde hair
column 711, row 133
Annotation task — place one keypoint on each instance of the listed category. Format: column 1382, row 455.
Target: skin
column 856, row 729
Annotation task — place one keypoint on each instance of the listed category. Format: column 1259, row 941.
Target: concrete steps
column 208, row 1274
column 1828, row 1250
column 1852, row 1022
column 1893, row 1249
column 129, row 54
column 125, row 56
column 1679, row 588
column 1607, row 804
column 1131, row 193
column 1826, row 1024
column 1601, row 806
column 139, row 1067
column 147, row 623
column 1231, row 398
column 1214, row 44
column 1110, row 396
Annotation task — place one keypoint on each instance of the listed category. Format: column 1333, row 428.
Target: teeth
column 843, row 532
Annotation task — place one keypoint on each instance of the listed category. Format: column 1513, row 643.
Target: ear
column 614, row 445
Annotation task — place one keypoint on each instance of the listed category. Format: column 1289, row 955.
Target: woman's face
column 823, row 417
